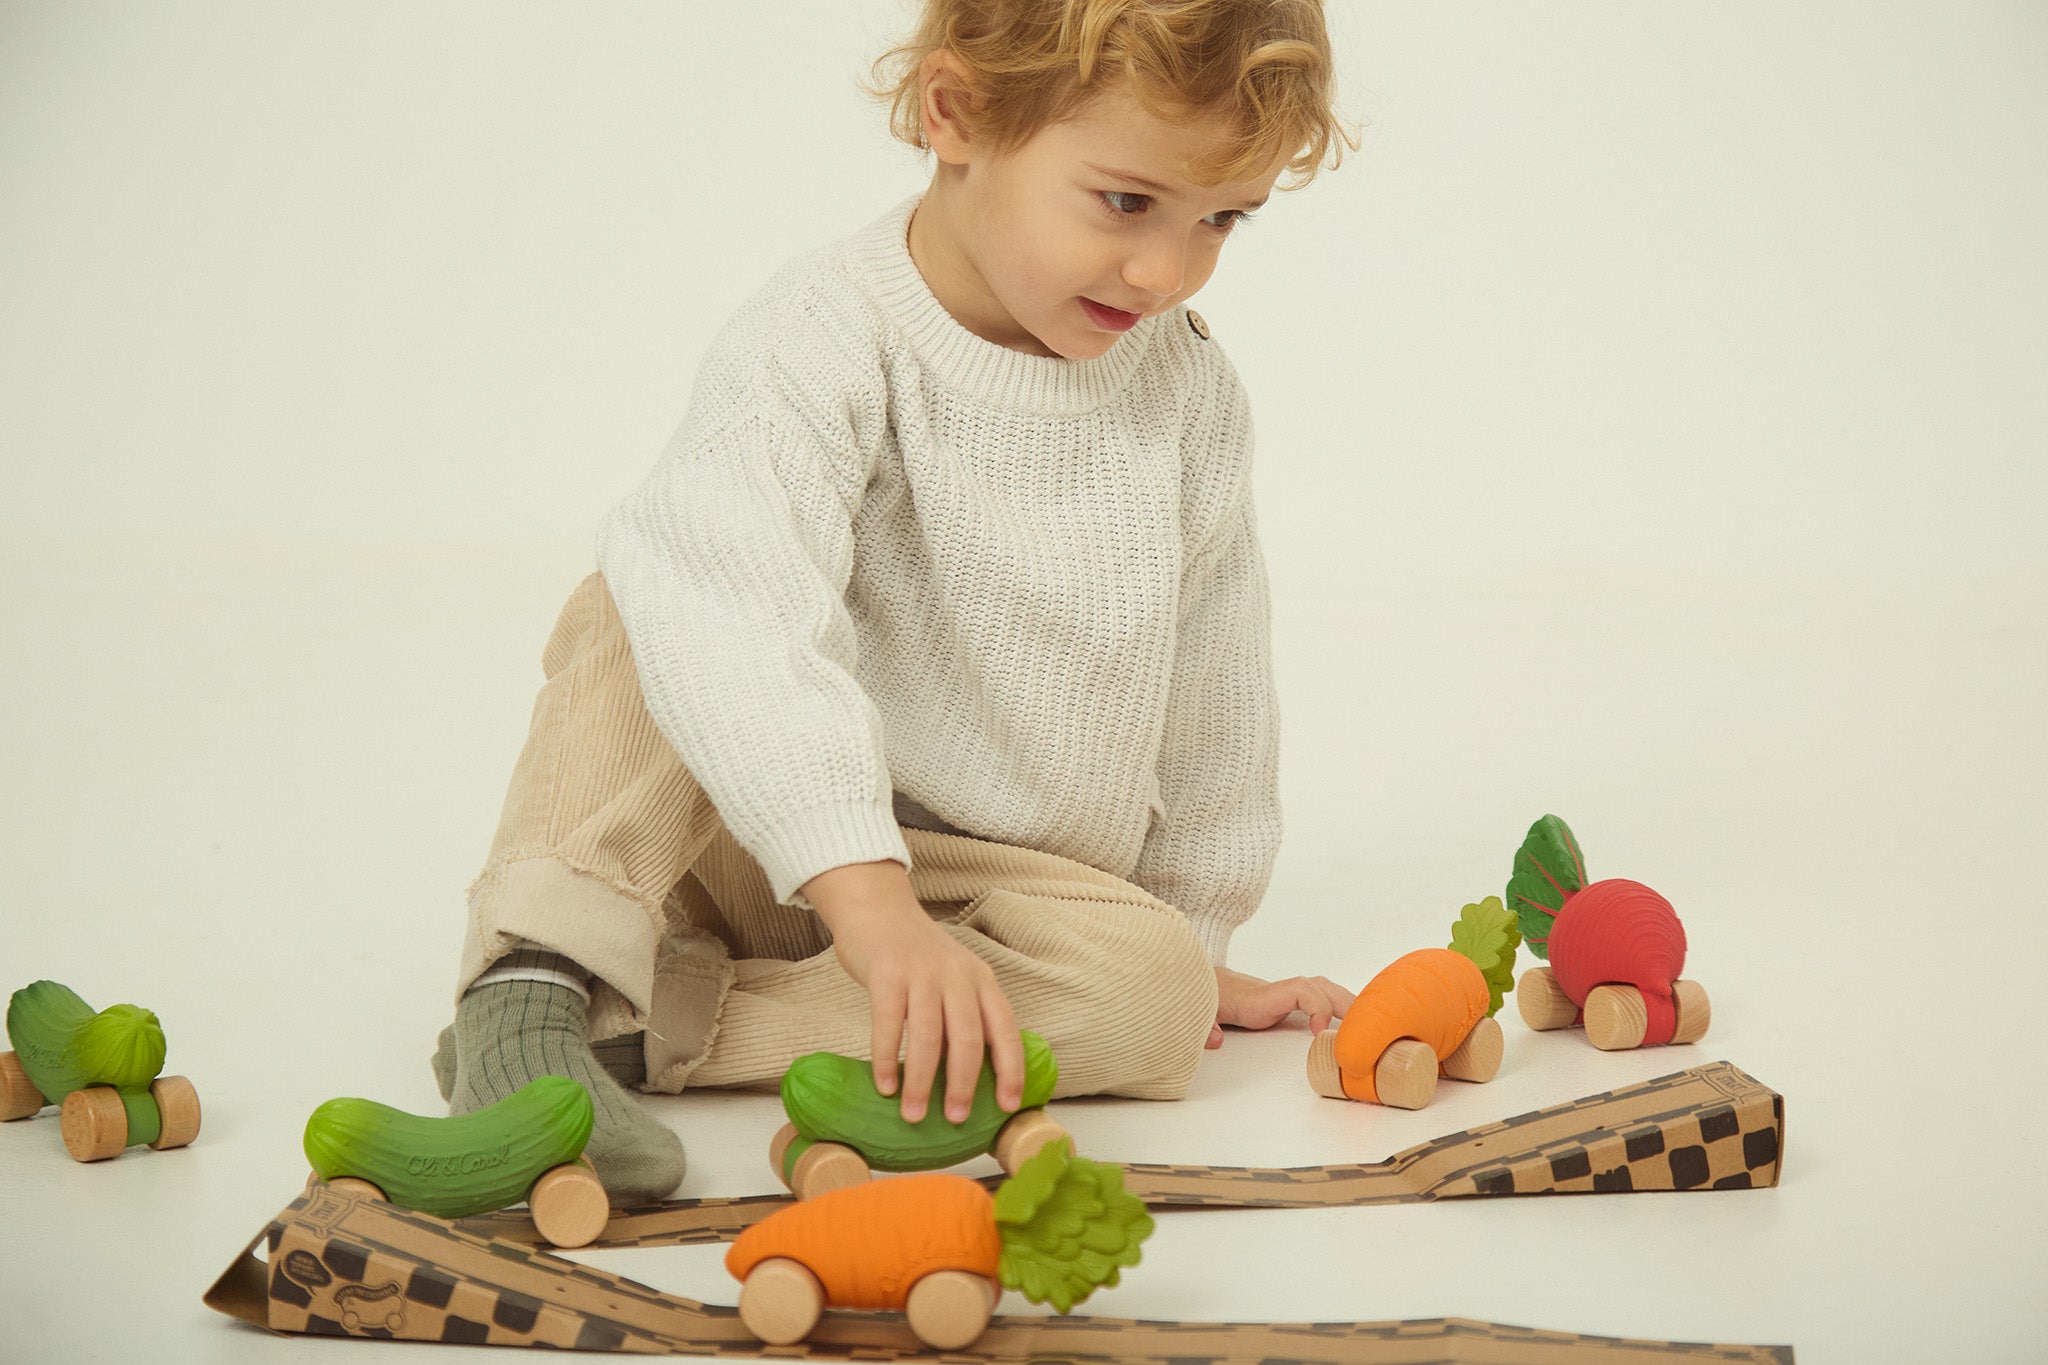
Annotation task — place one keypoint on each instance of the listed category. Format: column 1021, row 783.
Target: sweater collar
column 995, row 374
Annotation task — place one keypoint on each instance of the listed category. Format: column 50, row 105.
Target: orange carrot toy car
column 1427, row 1013
column 939, row 1248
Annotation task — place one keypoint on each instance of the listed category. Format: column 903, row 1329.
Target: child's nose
column 1157, row 268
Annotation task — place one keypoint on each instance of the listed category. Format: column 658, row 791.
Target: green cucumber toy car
column 100, row 1066
column 527, row 1146
column 842, row 1128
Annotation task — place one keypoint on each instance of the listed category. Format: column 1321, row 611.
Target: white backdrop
column 1651, row 429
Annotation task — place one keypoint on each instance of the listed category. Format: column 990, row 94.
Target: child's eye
column 1123, row 204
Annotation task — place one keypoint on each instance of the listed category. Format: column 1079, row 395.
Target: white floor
column 247, row 785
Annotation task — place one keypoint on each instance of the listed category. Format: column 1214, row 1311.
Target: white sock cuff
column 492, row 975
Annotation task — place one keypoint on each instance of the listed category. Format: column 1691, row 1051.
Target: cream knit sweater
column 888, row 570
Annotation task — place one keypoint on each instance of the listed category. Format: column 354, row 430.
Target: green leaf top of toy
column 1486, row 933
column 1548, row 868
column 121, row 1046
column 1068, row 1227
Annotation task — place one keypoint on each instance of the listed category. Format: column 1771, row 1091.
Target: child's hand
column 929, row 995
column 1249, row 1002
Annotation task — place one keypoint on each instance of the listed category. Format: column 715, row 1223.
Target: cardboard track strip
column 336, row 1264
column 1712, row 1127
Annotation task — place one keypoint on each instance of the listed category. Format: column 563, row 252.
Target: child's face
column 1062, row 244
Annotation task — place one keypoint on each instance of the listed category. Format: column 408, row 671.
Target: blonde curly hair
column 1030, row 63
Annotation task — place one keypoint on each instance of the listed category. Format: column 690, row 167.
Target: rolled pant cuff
column 549, row 902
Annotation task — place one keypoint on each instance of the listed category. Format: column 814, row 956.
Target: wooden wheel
column 781, row 1301
column 948, row 1309
column 1405, row 1076
column 1543, row 1003
column 1689, row 998
column 340, row 1182
column 827, row 1166
column 778, row 1148
column 178, row 1105
column 1478, row 1057
column 1616, row 1018
column 569, row 1205
column 18, row 1095
column 94, row 1123
column 1323, row 1075
column 1024, row 1136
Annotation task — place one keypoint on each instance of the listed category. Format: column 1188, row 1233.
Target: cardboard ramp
column 333, row 1263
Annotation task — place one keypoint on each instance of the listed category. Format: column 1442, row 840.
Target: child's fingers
column 924, row 1030
column 963, row 1053
column 887, row 1037
column 1005, row 1048
column 1325, row 1001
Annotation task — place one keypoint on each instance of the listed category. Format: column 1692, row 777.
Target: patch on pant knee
column 691, row 978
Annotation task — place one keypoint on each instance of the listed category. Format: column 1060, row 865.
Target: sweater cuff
column 1213, row 933
column 804, row 843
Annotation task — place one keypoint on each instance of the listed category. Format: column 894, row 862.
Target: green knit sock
column 508, row 1032
column 623, row 1058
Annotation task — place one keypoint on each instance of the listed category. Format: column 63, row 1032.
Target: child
column 924, row 692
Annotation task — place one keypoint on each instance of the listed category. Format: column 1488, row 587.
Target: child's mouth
column 1109, row 319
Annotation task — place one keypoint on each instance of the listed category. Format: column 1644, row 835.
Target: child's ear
column 943, row 102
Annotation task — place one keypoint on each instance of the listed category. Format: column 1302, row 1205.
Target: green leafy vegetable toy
column 101, row 1067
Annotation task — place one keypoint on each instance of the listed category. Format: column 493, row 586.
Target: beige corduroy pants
column 610, row 852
